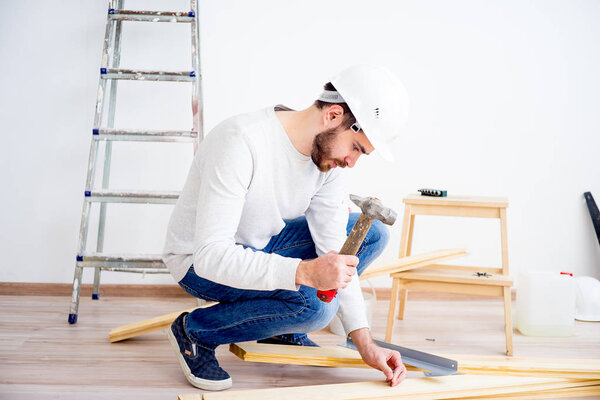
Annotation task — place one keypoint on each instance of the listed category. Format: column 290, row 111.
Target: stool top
column 456, row 201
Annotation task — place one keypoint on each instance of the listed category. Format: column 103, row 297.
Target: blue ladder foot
column 72, row 318
column 95, row 296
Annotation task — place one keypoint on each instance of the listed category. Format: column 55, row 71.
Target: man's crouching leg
column 197, row 360
column 259, row 315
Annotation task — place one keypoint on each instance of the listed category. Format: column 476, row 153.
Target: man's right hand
column 330, row 271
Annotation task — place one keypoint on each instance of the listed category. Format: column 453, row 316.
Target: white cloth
column 246, row 178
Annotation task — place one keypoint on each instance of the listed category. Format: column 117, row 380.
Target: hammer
column 372, row 209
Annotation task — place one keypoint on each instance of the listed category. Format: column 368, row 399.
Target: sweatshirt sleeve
column 224, row 169
column 327, row 218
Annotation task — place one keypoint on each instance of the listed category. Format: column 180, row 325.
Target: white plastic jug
column 545, row 303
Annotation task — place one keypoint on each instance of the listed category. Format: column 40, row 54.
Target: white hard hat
column 379, row 102
column 588, row 299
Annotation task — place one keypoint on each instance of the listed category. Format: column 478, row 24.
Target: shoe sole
column 200, row 383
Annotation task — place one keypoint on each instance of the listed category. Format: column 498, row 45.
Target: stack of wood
column 484, row 377
column 443, row 387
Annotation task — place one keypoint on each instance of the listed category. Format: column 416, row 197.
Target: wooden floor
column 42, row 357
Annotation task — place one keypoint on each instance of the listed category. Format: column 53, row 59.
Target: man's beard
column 322, row 148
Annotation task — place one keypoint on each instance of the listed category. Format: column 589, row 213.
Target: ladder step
column 111, row 196
column 122, row 262
column 141, row 75
column 144, row 136
column 151, row 16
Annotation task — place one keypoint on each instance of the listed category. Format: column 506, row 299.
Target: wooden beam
column 412, row 262
column 338, row 356
column 433, row 275
column 148, row 325
column 441, row 387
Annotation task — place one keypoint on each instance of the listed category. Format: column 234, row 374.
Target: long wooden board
column 412, row 262
column 337, row 356
column 454, row 277
column 148, row 325
column 442, row 387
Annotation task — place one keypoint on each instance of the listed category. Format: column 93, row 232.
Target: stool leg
column 392, row 310
column 508, row 328
column 411, row 227
column 403, row 298
column 404, row 235
column 504, row 241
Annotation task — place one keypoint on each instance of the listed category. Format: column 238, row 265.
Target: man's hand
column 387, row 361
column 330, row 271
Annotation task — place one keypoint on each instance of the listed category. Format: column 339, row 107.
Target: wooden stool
column 453, row 278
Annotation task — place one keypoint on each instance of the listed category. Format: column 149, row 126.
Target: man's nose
column 351, row 160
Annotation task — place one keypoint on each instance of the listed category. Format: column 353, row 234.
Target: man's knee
column 373, row 245
column 379, row 235
column 317, row 314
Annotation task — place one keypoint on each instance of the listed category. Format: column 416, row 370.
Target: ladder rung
column 144, row 136
column 136, row 270
column 111, row 196
column 140, row 75
column 129, row 262
column 151, row 16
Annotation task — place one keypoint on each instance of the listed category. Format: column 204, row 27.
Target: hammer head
column 372, row 208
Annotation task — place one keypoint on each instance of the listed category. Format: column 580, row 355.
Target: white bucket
column 545, row 304
column 336, row 327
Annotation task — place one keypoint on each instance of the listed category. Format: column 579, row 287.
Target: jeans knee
column 380, row 235
column 318, row 314
column 373, row 245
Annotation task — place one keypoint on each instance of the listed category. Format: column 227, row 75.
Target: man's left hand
column 387, row 361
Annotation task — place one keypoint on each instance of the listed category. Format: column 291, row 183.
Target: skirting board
column 158, row 291
column 441, row 387
column 337, row 356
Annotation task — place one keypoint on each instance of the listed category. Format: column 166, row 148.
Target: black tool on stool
column 433, row 192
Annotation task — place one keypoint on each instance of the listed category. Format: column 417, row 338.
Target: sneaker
column 290, row 339
column 197, row 360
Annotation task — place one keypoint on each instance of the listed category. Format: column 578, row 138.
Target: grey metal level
column 105, row 133
column 432, row 364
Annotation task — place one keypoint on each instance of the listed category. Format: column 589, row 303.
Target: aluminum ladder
column 109, row 71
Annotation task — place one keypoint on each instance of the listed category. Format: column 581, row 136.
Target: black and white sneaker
column 197, row 360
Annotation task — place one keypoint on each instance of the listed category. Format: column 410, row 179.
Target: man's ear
column 333, row 116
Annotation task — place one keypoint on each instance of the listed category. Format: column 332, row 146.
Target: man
column 260, row 219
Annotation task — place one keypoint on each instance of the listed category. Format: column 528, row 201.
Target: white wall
column 504, row 95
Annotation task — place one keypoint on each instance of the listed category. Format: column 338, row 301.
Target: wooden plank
column 454, row 277
column 338, row 356
column 148, row 325
column 583, row 391
column 468, row 201
column 469, row 268
column 412, row 262
column 442, row 387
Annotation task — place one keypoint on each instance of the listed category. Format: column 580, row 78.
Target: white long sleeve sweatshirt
column 245, row 180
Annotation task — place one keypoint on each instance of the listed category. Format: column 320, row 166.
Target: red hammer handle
column 327, row 295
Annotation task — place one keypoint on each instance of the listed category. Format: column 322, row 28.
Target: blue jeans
column 244, row 315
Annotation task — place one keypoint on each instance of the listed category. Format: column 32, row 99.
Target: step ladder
column 109, row 71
